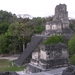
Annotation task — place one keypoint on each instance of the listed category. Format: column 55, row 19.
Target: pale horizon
column 36, row 8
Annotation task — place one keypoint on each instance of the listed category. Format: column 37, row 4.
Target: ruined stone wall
column 61, row 13
column 60, row 19
column 56, row 56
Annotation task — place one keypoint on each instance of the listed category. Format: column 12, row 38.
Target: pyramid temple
column 50, row 56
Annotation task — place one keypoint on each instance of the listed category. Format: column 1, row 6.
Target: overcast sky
column 36, row 8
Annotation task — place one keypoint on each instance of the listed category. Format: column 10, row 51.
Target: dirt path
column 10, row 58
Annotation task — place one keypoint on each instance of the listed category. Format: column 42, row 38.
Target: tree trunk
column 23, row 44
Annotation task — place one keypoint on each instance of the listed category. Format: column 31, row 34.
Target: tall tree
column 21, row 31
column 5, row 20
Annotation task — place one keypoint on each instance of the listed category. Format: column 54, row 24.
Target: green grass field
column 6, row 65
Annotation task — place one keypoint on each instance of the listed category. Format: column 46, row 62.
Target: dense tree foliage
column 16, row 32
column 4, row 44
column 71, row 46
column 38, row 29
column 21, row 31
column 72, row 60
column 5, row 20
column 54, row 39
column 5, row 16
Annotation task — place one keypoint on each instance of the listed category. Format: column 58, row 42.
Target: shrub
column 54, row 39
column 38, row 29
column 71, row 46
column 72, row 60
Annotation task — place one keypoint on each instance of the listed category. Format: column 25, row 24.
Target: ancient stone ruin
column 60, row 19
column 60, row 23
column 47, row 57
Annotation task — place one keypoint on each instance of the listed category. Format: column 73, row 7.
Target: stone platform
column 57, row 71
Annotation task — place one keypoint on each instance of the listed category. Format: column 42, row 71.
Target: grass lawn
column 6, row 65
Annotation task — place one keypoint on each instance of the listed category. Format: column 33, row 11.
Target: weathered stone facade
column 60, row 19
column 60, row 23
column 49, row 57
column 61, row 14
column 54, row 55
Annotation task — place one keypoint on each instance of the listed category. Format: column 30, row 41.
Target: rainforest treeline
column 16, row 32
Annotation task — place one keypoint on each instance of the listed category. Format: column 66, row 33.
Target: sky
column 36, row 8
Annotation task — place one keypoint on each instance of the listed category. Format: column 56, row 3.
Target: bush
column 72, row 60
column 38, row 29
column 4, row 44
column 71, row 46
column 54, row 39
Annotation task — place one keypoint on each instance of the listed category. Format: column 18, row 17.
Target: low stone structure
column 57, row 71
column 49, row 57
column 54, row 55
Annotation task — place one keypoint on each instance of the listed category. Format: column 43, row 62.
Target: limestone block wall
column 35, row 58
column 56, row 56
column 54, row 27
column 43, row 54
column 35, row 55
column 65, row 25
column 48, row 27
column 60, row 19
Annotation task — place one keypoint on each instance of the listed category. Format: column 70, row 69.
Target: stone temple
column 60, row 19
column 60, row 23
column 48, row 57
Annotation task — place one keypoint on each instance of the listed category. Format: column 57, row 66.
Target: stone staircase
column 32, row 45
